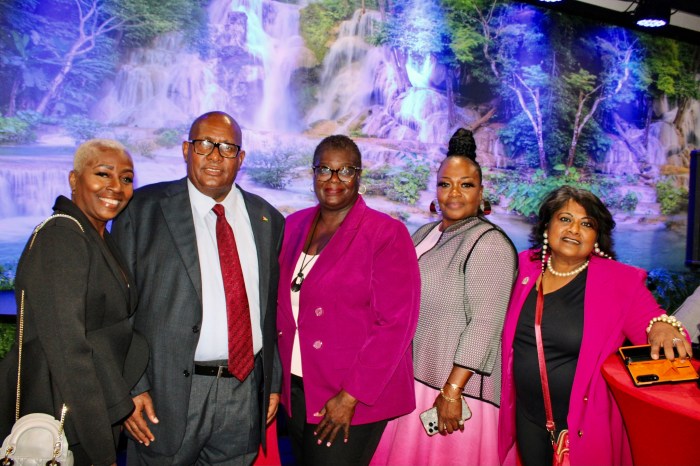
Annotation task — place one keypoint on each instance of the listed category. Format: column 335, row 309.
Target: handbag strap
column 540, row 359
column 20, row 330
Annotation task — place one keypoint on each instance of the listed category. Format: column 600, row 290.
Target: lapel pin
column 525, row 280
column 264, row 219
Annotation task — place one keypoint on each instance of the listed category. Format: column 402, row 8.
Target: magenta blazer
column 358, row 313
column 617, row 305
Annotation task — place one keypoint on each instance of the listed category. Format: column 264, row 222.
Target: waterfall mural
column 551, row 99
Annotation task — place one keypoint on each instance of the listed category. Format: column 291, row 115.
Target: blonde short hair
column 90, row 147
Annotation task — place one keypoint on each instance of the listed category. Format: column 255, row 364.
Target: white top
column 429, row 241
column 296, row 351
column 213, row 341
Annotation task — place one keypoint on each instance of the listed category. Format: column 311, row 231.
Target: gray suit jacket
column 156, row 235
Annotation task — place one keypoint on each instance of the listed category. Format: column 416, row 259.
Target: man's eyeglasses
column 228, row 150
column 345, row 174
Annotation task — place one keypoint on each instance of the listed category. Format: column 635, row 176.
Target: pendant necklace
column 299, row 279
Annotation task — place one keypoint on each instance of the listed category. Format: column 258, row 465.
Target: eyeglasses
column 345, row 174
column 228, row 150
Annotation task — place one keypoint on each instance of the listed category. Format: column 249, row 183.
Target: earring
column 544, row 250
column 362, row 189
column 485, row 206
column 434, row 207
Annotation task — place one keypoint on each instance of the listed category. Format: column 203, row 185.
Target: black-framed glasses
column 345, row 174
column 228, row 150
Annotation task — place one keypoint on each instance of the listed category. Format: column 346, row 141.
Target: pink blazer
column 617, row 305
column 358, row 313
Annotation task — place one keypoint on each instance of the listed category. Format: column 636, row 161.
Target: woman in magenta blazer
column 347, row 311
column 591, row 305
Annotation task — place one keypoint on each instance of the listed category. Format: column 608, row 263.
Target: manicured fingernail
column 318, row 442
column 345, row 441
column 328, row 444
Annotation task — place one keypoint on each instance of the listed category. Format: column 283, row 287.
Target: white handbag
column 36, row 439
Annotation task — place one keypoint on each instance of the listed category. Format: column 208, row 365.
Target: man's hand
column 136, row 425
column 272, row 408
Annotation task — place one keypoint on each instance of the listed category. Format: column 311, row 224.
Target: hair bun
column 462, row 143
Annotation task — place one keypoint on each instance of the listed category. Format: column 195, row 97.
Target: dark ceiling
column 685, row 15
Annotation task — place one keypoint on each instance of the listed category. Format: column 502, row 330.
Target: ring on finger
column 675, row 341
column 460, row 422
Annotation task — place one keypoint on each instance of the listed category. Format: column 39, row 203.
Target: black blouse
column 562, row 332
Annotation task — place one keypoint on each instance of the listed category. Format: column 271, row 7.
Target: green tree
column 56, row 53
column 672, row 68
column 617, row 52
column 318, row 22
column 514, row 46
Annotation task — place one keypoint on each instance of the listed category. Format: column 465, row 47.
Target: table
column 273, row 453
column 662, row 421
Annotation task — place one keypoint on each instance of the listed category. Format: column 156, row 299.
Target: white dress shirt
column 213, row 340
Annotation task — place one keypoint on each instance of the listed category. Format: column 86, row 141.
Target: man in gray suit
column 189, row 407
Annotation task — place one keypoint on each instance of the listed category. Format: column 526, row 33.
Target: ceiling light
column 550, row 1
column 652, row 13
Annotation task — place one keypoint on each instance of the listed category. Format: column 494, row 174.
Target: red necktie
column 240, row 335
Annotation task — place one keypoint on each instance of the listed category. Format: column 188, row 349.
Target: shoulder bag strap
column 20, row 329
column 540, row 359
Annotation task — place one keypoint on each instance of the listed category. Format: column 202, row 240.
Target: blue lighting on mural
column 551, row 98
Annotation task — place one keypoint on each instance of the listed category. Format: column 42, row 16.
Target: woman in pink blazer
column 347, row 311
column 591, row 305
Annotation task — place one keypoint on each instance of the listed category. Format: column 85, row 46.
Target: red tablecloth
column 662, row 421
column 273, row 452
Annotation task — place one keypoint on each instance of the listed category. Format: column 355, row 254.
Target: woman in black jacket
column 79, row 347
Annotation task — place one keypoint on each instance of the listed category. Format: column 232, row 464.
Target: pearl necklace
column 578, row 269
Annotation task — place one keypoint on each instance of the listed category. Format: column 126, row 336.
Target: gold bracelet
column 670, row 320
column 455, row 386
column 451, row 400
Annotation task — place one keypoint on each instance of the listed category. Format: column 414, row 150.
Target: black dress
column 562, row 332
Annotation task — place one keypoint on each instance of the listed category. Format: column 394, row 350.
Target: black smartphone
column 647, row 378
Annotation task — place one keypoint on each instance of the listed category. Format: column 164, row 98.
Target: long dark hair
column 555, row 200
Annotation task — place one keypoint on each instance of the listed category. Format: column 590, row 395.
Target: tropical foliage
column 57, row 53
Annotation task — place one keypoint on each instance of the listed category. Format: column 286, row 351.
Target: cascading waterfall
column 349, row 70
column 255, row 49
column 161, row 85
column 32, row 187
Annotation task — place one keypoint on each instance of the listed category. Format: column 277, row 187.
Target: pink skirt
column 405, row 441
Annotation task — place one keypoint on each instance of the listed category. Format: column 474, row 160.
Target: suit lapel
column 121, row 273
column 594, row 312
column 108, row 249
column 339, row 244
column 177, row 212
column 262, row 234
